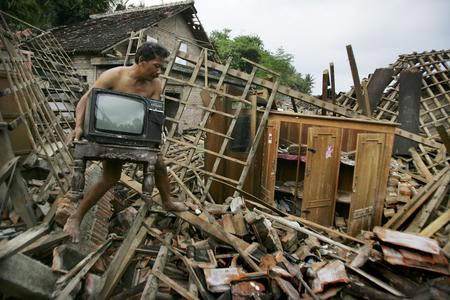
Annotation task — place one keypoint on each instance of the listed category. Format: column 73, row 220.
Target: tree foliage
column 50, row 13
column 252, row 48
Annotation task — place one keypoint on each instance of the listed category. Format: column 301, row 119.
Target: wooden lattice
column 435, row 100
column 60, row 82
column 44, row 132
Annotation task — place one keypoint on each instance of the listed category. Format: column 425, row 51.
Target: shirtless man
column 141, row 79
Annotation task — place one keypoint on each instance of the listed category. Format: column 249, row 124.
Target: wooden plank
column 135, row 235
column 22, row 240
column 294, row 225
column 151, row 286
column 328, row 230
column 269, row 164
column 333, row 84
column 420, row 165
column 294, row 106
column 426, row 158
column 192, row 275
column 424, row 214
column 363, row 102
column 46, row 243
column 444, row 136
column 437, row 224
column 384, row 176
column 422, row 195
column 325, row 83
column 417, row 138
column 367, row 173
column 79, row 271
column 171, row 283
column 321, row 174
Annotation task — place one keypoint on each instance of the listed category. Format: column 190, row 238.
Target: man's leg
column 111, row 174
column 162, row 183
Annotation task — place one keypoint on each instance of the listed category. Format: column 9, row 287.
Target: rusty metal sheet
column 407, row 240
column 414, row 259
column 334, row 272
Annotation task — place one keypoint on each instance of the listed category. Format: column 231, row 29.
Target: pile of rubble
column 242, row 249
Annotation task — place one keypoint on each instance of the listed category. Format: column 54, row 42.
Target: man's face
column 151, row 68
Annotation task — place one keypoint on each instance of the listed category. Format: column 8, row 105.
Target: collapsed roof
column 102, row 31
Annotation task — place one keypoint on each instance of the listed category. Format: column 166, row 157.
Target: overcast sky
column 316, row 32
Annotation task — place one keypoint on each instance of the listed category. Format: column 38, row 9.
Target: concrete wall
column 84, row 67
column 170, row 30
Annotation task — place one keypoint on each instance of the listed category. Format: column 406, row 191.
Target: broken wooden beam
column 79, row 271
column 420, row 165
column 172, row 284
column 424, row 214
column 193, row 275
column 422, row 195
column 21, row 241
column 362, row 101
column 444, row 137
column 296, row 226
column 151, row 286
column 437, row 224
column 211, row 227
column 122, row 257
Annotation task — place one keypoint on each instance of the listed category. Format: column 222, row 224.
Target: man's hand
column 77, row 134
column 74, row 136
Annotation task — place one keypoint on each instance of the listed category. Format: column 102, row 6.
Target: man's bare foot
column 72, row 228
column 65, row 208
column 174, row 206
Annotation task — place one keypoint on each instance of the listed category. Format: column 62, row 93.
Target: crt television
column 123, row 119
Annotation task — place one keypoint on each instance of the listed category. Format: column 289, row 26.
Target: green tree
column 50, row 13
column 28, row 10
column 252, row 48
column 72, row 11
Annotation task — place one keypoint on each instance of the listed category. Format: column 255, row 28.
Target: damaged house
column 109, row 40
column 282, row 205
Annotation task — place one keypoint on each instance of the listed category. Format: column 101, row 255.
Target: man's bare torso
column 124, row 82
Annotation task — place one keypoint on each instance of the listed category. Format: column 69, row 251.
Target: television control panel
column 155, row 105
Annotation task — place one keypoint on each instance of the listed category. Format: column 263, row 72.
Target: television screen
column 120, row 114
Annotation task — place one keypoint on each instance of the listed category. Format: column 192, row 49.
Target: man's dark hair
column 149, row 51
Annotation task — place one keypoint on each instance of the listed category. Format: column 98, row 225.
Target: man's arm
column 106, row 81
column 156, row 86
